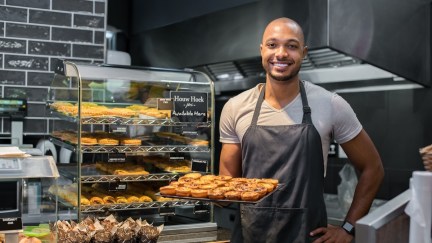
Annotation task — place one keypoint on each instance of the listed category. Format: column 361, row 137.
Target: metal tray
column 220, row 200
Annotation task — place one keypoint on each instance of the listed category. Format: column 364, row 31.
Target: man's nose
column 281, row 52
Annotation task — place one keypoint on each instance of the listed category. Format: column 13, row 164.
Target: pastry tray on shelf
column 107, row 120
column 143, row 205
column 131, row 149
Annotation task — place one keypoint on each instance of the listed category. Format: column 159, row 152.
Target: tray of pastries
column 194, row 186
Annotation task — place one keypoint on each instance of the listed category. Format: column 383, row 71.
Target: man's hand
column 332, row 234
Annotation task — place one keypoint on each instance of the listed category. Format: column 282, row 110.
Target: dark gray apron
column 293, row 155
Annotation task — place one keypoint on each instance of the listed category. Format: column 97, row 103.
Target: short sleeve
column 227, row 124
column 346, row 125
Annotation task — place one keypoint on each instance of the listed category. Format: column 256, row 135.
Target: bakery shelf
column 127, row 121
column 146, row 205
column 144, row 149
column 129, row 178
column 133, row 149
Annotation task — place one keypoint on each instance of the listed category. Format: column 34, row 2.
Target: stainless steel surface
column 392, row 35
column 368, row 226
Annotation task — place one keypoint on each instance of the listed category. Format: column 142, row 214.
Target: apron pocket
column 270, row 224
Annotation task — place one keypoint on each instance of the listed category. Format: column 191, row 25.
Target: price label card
column 164, row 104
column 177, row 156
column 116, row 158
column 118, row 129
column 189, row 106
column 117, row 186
column 199, row 165
column 10, row 224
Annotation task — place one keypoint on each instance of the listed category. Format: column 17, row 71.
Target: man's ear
column 305, row 51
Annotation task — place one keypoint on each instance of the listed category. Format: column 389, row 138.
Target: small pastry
column 216, row 194
column 183, row 191
column 271, row 181
column 249, row 196
column 200, row 193
column 207, row 178
column 194, row 175
column 168, row 190
column 233, row 195
column 109, row 199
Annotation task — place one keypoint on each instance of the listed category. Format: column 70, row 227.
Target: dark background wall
column 33, row 36
column 399, row 122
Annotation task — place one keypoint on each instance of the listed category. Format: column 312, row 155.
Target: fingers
column 318, row 231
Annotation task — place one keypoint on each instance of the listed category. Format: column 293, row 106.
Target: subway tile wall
column 33, row 36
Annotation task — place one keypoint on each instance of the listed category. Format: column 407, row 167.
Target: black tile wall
column 49, row 48
column 12, row 77
column 36, row 110
column 53, row 61
column 73, row 6
column 26, row 62
column 39, row 78
column 88, row 21
column 35, row 125
column 34, row 34
column 99, row 37
column 99, row 7
column 50, row 17
column 30, row 3
column 13, row 14
column 12, row 45
column 74, row 35
column 88, row 51
column 27, row 31
column 31, row 94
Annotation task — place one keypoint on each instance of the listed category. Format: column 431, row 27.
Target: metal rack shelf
column 132, row 149
column 127, row 121
column 129, row 178
column 147, row 205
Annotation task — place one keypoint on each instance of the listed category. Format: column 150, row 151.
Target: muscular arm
column 362, row 153
column 230, row 160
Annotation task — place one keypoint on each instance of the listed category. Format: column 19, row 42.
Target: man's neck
column 280, row 93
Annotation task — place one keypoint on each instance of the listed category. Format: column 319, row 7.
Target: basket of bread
column 220, row 188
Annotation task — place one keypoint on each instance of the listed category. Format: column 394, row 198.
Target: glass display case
column 122, row 132
column 27, row 205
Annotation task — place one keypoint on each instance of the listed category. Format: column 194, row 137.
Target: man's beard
column 285, row 78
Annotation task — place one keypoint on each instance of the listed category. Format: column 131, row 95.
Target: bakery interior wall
column 397, row 121
column 33, row 36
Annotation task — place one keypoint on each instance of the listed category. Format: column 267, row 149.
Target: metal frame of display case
column 168, row 77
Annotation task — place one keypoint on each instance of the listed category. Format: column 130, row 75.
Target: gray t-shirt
column 332, row 116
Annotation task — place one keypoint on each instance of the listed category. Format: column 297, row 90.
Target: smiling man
column 282, row 129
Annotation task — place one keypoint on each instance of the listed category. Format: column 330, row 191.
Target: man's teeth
column 281, row 64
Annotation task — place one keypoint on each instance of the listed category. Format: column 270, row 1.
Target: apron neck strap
column 306, row 109
column 307, row 118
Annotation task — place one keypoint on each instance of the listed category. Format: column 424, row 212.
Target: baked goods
column 250, row 196
column 109, row 199
column 199, row 193
column 217, row 194
column 220, row 187
column 108, row 141
column 168, row 190
column 193, row 175
column 233, row 195
column 183, row 191
column 131, row 141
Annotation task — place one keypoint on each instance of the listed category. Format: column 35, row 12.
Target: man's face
column 282, row 51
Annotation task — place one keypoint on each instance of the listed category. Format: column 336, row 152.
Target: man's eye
column 293, row 47
column 271, row 45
